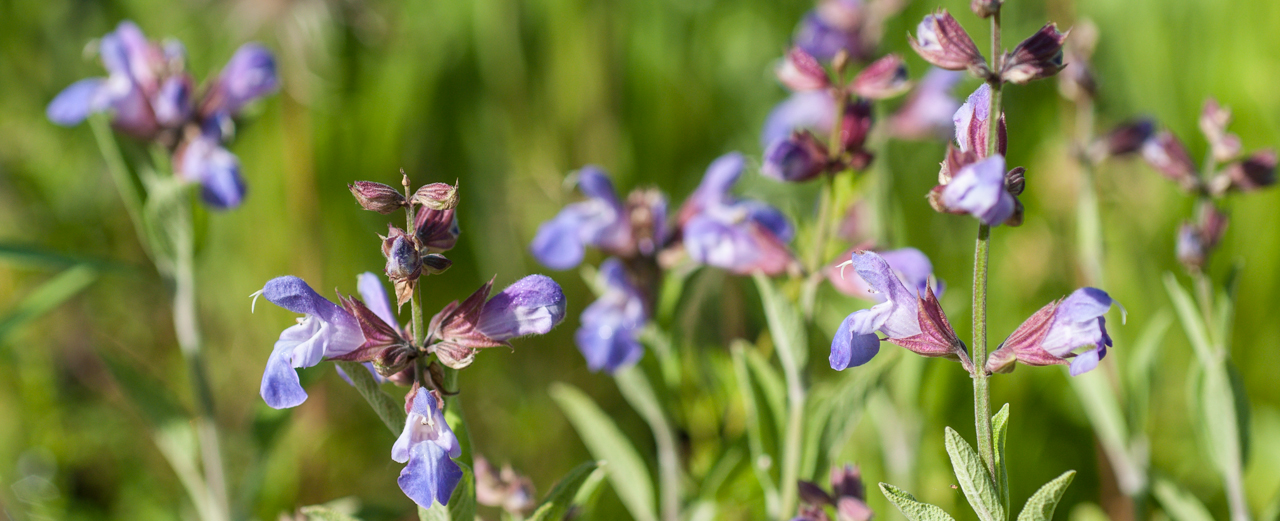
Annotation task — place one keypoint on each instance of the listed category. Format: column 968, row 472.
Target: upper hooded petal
column 531, row 306
column 1078, row 322
column 898, row 315
column 203, row 160
column 249, row 75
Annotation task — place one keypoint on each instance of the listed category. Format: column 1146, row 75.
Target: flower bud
column 885, row 78
column 1214, row 119
column 800, row 72
column 985, row 8
column 1167, row 155
column 394, row 359
column 796, row 159
column 1125, row 139
column 1197, row 241
column 855, row 125
column 941, row 41
column 435, row 264
column 436, row 231
column 437, row 196
column 1015, row 181
column 403, row 261
column 1039, row 56
column 377, row 197
column 1254, row 172
column 453, row 355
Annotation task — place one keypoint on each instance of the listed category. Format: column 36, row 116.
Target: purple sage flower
column 611, row 324
column 979, row 190
column 833, row 27
column 910, row 265
column 326, row 330
column 531, row 306
column 741, row 236
column 811, row 110
column 251, row 74
column 428, row 445
column 203, row 160
column 1054, row 333
column 798, row 158
column 601, row 221
column 905, row 317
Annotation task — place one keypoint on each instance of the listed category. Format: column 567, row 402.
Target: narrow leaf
column 1042, row 504
column 48, row 297
column 626, row 470
column 756, row 429
column 1178, row 503
column 325, row 513
column 388, row 409
column 1192, row 321
column 786, row 326
column 558, row 501
column 913, row 510
column 974, row 479
column 1000, row 431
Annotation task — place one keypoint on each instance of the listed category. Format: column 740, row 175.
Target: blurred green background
column 507, row 97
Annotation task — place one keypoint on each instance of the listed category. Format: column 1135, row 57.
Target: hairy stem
column 123, row 180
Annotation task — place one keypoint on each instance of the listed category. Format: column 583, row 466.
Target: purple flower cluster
column 152, row 97
column 971, row 180
column 713, row 227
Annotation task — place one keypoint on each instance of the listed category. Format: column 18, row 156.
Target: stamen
column 254, row 296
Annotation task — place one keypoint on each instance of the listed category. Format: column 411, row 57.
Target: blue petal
column 594, row 183
column 250, row 74
column 557, row 244
column 531, row 306
column 607, row 348
column 1086, row 361
column 293, row 294
column 770, row 218
column 430, row 475
column 813, row 110
column 281, row 388
column 75, row 103
column 719, row 179
column 851, row 348
column 223, row 187
column 715, row 243
column 979, row 190
column 375, row 298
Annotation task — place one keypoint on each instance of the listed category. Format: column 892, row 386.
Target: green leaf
column 176, row 440
column 772, row 389
column 974, row 479
column 1222, row 421
column 626, row 470
column 1192, row 321
column 558, row 501
column 48, row 297
column 786, row 326
column 1041, row 505
column 756, row 430
column 391, row 412
column 1000, row 433
column 30, row 256
column 1178, row 503
column 913, row 510
column 325, row 513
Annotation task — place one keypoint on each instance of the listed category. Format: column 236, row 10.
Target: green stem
column 187, row 328
column 981, row 386
column 809, row 292
column 122, row 179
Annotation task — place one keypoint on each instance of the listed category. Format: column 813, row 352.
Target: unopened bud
column 403, row 262
column 1039, row 56
column 1125, row 139
column 796, row 159
column 394, row 359
column 800, row 72
column 855, row 125
column 437, row 196
column 436, row 230
column 1254, row 172
column 1167, row 155
column 941, row 41
column 985, row 8
column 885, row 78
column 435, row 264
column 377, row 197
column 1015, row 181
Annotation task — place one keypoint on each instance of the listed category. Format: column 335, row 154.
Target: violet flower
column 149, row 95
column 907, row 318
column 428, row 445
column 1053, row 334
column 910, row 265
column 326, row 330
column 810, row 110
column 532, row 305
column 611, row 324
column 741, row 236
column 798, row 158
column 833, row 27
column 979, row 190
column 601, row 221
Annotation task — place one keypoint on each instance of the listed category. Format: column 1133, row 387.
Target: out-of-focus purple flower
column 1056, row 331
column 1197, row 240
column 611, row 324
column 1251, row 173
column 929, row 108
column 911, row 320
column 942, row 42
column 1167, row 155
column 801, row 72
column 979, row 190
column 848, row 495
column 326, row 330
column 203, row 160
column 742, row 236
column 910, row 265
column 1127, row 138
column 1214, row 119
column 1039, row 56
column 833, row 27
column 428, row 445
column 601, row 221
column 813, row 110
column 249, row 75
column 532, row 305
column 855, row 126
column 798, row 158
column 884, row 78
column 507, row 488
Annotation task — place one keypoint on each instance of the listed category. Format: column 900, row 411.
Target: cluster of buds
column 410, row 254
column 152, row 97
column 1164, row 152
column 941, row 41
column 824, row 104
column 848, row 496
